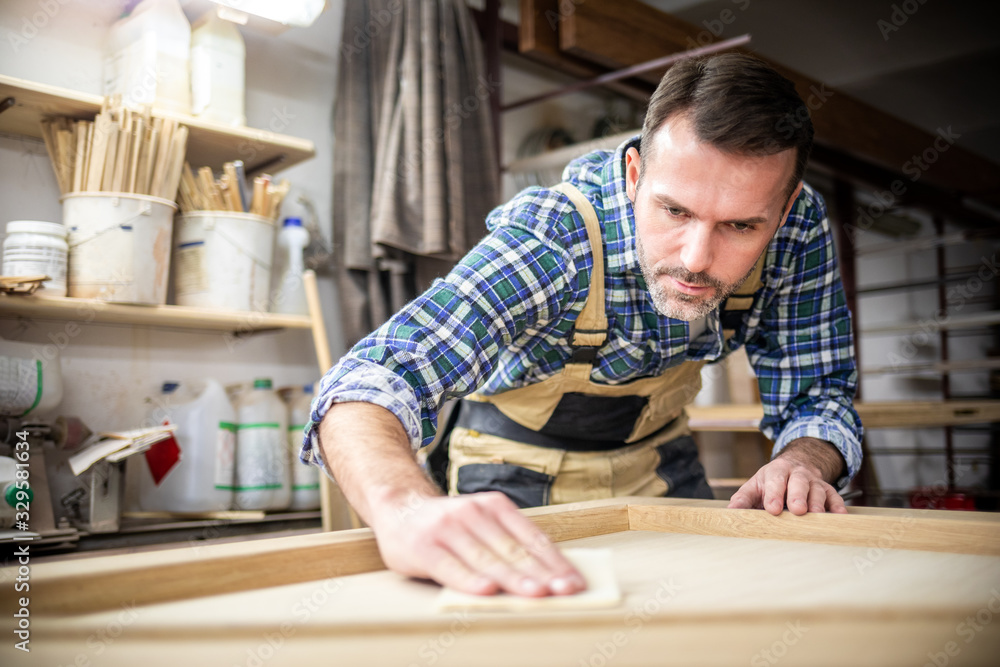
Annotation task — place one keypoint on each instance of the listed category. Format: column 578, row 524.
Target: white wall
column 108, row 369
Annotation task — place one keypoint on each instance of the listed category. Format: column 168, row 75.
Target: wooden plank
column 627, row 32
column 969, row 321
column 538, row 40
column 874, row 414
column 873, row 604
column 210, row 144
column 85, row 311
column 902, row 532
column 935, row 367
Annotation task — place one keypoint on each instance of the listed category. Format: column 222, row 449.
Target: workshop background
column 908, row 159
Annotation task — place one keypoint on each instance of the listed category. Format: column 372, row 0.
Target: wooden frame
column 307, row 598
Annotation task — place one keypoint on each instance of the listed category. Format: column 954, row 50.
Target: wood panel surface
column 688, row 600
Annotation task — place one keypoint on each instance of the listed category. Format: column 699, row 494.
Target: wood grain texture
column 903, row 531
column 688, row 600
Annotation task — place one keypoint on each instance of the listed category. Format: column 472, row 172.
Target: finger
column 525, row 559
column 775, row 482
column 818, row 496
column 479, row 558
column 563, row 578
column 747, row 497
column 797, row 494
column 834, row 501
column 449, row 570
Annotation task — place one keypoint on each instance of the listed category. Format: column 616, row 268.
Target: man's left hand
column 799, row 478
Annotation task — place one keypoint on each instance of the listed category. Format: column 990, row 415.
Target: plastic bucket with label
column 222, row 260
column 119, row 246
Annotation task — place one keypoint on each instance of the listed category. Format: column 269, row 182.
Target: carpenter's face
column 702, row 217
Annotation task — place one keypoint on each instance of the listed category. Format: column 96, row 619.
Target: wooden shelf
column 935, row 368
column 971, row 321
column 881, row 414
column 209, row 144
column 180, row 317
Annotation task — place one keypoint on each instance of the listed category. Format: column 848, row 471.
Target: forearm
column 368, row 452
column 820, row 454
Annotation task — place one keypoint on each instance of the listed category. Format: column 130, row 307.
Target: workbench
column 701, row 584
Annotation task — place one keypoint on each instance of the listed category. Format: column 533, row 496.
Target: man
column 576, row 330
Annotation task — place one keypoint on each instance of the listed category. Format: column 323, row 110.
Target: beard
column 678, row 305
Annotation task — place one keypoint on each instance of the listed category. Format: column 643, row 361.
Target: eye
column 675, row 212
column 743, row 227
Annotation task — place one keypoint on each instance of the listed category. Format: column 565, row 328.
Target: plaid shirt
column 500, row 320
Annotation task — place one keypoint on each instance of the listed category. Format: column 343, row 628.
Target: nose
column 696, row 256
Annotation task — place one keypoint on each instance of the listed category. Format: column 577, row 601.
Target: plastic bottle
column 11, row 494
column 263, row 476
column 202, row 480
column 148, row 57
column 218, row 71
column 305, row 478
column 34, row 247
column 290, row 295
column 30, row 376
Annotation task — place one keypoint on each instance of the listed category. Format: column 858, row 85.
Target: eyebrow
column 667, row 201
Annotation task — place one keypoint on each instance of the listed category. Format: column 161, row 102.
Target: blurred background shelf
column 180, row 317
column 882, row 414
column 23, row 104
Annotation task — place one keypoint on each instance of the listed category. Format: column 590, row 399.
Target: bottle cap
column 10, row 495
column 262, row 383
column 292, row 222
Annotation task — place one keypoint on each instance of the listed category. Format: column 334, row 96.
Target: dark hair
column 738, row 104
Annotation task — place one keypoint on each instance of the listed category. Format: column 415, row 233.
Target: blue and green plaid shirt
column 500, row 320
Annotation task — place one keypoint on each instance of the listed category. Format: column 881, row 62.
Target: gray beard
column 677, row 305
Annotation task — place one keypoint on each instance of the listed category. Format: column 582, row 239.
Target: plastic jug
column 218, row 71
column 305, row 478
column 30, row 376
column 148, row 57
column 263, row 474
column 290, row 296
column 198, row 477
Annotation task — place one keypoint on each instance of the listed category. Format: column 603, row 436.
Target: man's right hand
column 478, row 543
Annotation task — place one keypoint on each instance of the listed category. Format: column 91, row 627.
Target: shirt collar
column 619, row 220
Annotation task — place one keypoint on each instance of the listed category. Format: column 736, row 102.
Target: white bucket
column 223, row 260
column 119, row 246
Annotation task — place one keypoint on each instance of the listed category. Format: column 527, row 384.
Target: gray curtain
column 415, row 171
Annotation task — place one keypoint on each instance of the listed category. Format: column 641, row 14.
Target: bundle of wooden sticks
column 229, row 192
column 119, row 151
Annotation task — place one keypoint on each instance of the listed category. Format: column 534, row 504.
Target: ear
column 632, row 163
column 788, row 207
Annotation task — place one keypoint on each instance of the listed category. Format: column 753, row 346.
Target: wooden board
column 701, row 585
column 875, row 414
column 210, row 143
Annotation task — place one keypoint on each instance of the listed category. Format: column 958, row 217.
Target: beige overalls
column 658, row 457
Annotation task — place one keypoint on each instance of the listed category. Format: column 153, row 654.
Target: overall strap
column 591, row 328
